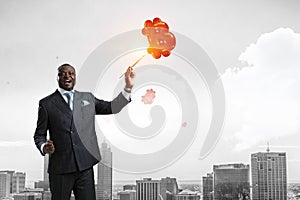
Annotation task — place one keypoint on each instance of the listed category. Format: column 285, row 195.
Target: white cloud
column 263, row 99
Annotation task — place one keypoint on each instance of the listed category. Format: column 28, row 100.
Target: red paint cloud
column 161, row 41
column 148, row 98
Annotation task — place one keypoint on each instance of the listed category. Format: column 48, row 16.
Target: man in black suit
column 69, row 116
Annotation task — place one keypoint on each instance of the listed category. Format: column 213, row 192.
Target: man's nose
column 67, row 75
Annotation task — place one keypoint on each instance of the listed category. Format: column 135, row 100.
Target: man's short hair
column 64, row 65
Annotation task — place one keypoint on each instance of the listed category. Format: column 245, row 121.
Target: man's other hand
column 49, row 147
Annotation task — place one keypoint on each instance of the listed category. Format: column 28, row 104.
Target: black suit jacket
column 72, row 132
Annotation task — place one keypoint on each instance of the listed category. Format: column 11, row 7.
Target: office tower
column 45, row 182
column 168, row 188
column 5, row 180
column 18, row 182
column 208, row 187
column 187, row 195
column 104, row 182
column 127, row 195
column 46, row 163
column 148, row 189
column 231, row 181
column 269, row 179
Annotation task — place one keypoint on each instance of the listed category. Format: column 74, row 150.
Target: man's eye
column 66, row 73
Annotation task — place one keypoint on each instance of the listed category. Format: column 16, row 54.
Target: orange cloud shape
column 161, row 40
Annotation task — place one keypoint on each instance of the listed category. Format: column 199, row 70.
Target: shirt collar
column 62, row 91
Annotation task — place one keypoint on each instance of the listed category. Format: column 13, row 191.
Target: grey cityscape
column 268, row 172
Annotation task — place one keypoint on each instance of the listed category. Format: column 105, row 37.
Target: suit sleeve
column 40, row 135
column 110, row 107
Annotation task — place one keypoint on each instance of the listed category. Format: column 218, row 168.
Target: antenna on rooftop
column 268, row 147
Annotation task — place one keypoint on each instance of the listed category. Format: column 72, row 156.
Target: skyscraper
column 208, row 186
column 269, row 179
column 46, row 163
column 5, row 180
column 45, row 182
column 11, row 173
column 168, row 188
column 231, row 181
column 104, row 181
column 18, row 182
column 148, row 189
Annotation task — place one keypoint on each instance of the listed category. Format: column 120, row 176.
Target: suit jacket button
column 71, row 132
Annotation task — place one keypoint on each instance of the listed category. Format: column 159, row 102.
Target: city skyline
column 253, row 44
column 227, row 181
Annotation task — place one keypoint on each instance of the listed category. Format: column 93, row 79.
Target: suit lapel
column 77, row 102
column 61, row 104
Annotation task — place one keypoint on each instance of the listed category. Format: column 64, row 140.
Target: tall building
column 148, row 189
column 16, row 182
column 208, row 186
column 45, row 182
column 231, row 181
column 46, row 163
column 11, row 173
column 5, row 180
column 104, row 181
column 269, row 179
column 168, row 188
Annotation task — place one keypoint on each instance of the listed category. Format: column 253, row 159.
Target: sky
column 254, row 45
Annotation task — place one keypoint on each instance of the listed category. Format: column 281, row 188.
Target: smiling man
column 69, row 118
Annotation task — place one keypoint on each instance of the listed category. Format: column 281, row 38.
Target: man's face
column 67, row 78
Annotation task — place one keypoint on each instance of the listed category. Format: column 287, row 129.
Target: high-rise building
column 187, row 195
column 45, row 182
column 104, row 181
column 269, row 179
column 46, row 163
column 18, row 182
column 168, row 188
column 5, row 181
column 11, row 173
column 148, row 189
column 231, row 181
column 208, row 186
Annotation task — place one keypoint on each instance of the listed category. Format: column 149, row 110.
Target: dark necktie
column 68, row 95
